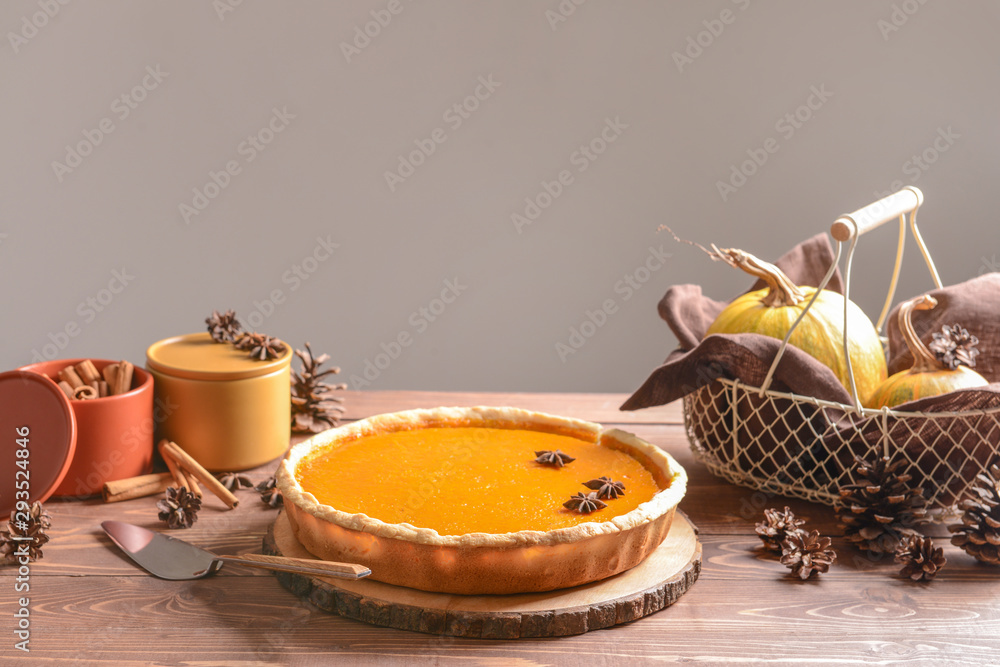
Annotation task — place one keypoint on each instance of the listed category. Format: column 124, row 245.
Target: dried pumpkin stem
column 923, row 359
column 782, row 291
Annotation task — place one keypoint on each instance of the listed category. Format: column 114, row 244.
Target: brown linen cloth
column 746, row 357
column 974, row 304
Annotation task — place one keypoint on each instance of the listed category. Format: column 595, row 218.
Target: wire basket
column 800, row 446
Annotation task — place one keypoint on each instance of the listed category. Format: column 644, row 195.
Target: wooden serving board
column 657, row 582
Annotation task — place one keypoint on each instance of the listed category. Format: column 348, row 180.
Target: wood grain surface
column 658, row 582
column 89, row 604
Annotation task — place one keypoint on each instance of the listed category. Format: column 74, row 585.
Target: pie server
column 170, row 558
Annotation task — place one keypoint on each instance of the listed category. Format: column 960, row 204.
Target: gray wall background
column 894, row 75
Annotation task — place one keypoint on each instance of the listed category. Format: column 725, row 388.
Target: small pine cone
column 775, row 527
column 179, row 508
column 880, row 508
column 979, row 532
column 804, row 553
column 954, row 346
column 921, row 561
column 25, row 538
column 269, row 493
column 223, row 327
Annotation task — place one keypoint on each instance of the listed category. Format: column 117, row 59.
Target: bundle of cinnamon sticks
column 184, row 471
column 83, row 382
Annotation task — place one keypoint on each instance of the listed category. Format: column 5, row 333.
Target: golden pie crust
column 482, row 563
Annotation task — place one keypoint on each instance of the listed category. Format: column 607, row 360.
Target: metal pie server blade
column 170, row 558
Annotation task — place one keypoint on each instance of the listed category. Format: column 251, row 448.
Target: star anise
column 776, row 526
column 25, row 538
column 606, row 488
column 557, row 458
column 234, row 481
column 179, row 508
column 584, row 504
column 224, row 327
column 260, row 346
column 954, row 346
column 269, row 493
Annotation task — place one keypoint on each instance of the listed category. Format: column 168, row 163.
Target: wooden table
column 88, row 603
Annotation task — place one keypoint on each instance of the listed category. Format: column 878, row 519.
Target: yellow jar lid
column 198, row 357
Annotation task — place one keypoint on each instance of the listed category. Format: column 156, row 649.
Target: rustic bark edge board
column 656, row 583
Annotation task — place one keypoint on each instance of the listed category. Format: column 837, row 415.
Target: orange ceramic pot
column 228, row 411
column 114, row 434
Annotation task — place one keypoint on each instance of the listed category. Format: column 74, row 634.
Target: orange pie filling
column 471, row 480
column 474, row 500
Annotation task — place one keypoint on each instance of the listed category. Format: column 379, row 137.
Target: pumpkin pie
column 480, row 500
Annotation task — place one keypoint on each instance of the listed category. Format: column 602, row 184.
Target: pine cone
column 269, row 493
column 979, row 532
column 804, row 553
column 225, row 328
column 313, row 409
column 776, row 526
column 954, row 347
column 13, row 546
column 179, row 508
column 921, row 561
column 880, row 509
column 260, row 346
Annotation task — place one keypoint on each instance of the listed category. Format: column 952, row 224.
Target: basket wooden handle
column 868, row 218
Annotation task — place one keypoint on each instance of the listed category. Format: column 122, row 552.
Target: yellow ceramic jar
column 230, row 412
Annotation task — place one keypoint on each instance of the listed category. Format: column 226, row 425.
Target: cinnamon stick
column 68, row 390
column 84, row 393
column 110, row 373
column 123, row 378
column 136, row 487
column 180, row 479
column 193, row 485
column 69, row 376
column 102, row 388
column 185, row 461
column 87, row 372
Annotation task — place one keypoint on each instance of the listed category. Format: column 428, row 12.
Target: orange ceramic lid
column 35, row 416
column 198, row 357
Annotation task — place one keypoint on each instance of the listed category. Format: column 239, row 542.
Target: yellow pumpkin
column 772, row 311
column 929, row 375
